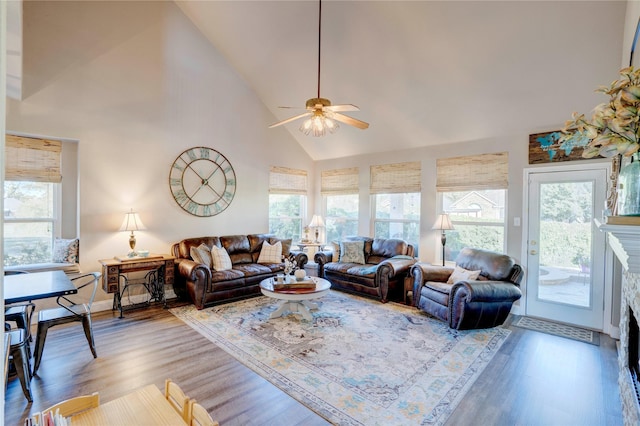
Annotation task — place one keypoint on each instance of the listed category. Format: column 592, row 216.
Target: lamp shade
column 316, row 221
column 132, row 222
column 443, row 223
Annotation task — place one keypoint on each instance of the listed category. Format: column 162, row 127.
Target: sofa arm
column 300, row 257
column 481, row 304
column 322, row 258
column 197, row 279
column 423, row 272
column 395, row 266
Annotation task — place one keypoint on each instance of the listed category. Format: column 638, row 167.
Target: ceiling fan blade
column 288, row 120
column 350, row 121
column 340, row 108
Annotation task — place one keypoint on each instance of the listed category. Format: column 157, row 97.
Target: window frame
column 55, row 220
column 504, row 224
column 301, row 217
column 375, row 219
column 327, row 218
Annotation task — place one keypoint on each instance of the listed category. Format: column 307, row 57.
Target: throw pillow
column 65, row 251
column 221, row 259
column 270, row 253
column 352, row 252
column 335, row 248
column 461, row 274
column 202, row 255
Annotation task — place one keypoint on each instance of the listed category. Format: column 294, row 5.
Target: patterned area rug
column 562, row 330
column 358, row 361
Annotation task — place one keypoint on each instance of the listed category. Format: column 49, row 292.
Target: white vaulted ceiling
column 422, row 72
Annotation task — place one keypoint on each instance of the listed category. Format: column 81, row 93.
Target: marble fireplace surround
column 624, row 240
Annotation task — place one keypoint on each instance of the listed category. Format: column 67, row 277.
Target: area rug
column 562, row 330
column 359, row 361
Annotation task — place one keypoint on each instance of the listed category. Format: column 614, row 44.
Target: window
column 341, row 217
column 31, row 191
column 473, row 191
column 340, row 191
column 396, row 191
column 287, row 202
column 478, row 218
column 29, row 221
column 398, row 216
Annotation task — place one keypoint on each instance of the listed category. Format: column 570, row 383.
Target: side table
column 310, row 248
column 160, row 271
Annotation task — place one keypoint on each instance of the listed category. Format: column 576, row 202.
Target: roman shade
column 473, row 172
column 283, row 180
column 340, row 181
column 395, row 178
column 32, row 159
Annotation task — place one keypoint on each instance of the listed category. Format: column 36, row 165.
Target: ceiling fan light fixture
column 322, row 116
column 318, row 125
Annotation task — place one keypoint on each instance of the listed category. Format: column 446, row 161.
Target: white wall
column 3, row 94
column 136, row 84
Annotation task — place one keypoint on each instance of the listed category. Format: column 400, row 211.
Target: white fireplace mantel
column 624, row 240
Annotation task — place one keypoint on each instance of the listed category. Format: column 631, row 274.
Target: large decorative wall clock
column 202, row 181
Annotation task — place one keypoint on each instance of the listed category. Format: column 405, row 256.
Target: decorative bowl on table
column 143, row 253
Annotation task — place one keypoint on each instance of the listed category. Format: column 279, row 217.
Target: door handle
column 533, row 252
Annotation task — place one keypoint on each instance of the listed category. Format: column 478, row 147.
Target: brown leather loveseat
column 206, row 286
column 479, row 295
column 380, row 271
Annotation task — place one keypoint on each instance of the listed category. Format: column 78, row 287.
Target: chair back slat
column 177, row 398
column 199, row 415
column 75, row 405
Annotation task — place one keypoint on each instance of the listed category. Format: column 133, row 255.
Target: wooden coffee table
column 295, row 301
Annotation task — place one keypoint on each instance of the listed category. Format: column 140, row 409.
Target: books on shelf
column 622, row 220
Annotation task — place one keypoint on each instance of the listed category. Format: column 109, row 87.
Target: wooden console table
column 160, row 271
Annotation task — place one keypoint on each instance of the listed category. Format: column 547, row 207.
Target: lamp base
column 443, row 239
column 132, row 242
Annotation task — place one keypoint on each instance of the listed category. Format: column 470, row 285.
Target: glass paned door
column 565, row 256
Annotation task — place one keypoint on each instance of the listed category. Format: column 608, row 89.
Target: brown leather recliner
column 469, row 304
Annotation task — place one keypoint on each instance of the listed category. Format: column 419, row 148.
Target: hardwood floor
column 535, row 379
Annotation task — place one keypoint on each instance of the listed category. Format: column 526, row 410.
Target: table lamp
column 132, row 223
column 443, row 223
column 316, row 222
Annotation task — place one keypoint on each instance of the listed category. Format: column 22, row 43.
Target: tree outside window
column 285, row 215
column 341, row 216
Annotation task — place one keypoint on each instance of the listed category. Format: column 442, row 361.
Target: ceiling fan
column 322, row 116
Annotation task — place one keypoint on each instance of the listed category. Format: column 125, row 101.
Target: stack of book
column 305, row 284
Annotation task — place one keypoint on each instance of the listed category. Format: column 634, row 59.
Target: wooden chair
column 177, row 398
column 75, row 405
column 69, row 311
column 199, row 416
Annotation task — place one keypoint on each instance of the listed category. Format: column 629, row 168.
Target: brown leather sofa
column 386, row 265
column 469, row 304
column 206, row 287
